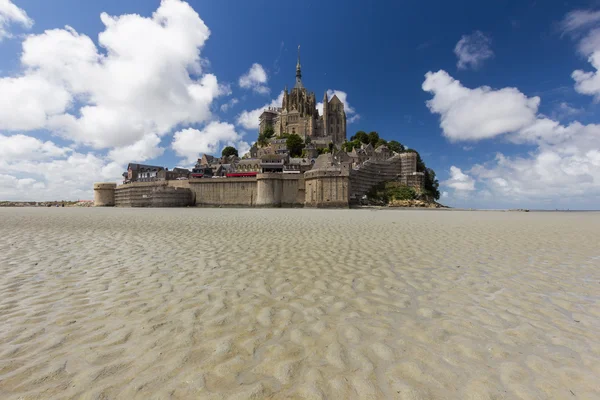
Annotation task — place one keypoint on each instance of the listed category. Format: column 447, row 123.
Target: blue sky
column 503, row 117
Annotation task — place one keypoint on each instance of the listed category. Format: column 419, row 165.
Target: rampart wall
column 280, row 190
column 327, row 187
column 104, row 194
column 228, row 192
column 153, row 194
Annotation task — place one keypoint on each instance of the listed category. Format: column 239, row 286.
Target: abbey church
column 299, row 114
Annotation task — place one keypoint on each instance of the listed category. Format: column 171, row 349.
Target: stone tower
column 298, row 114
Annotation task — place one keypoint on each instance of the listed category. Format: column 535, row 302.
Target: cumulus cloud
column 481, row 113
column 190, row 143
column 18, row 147
column 144, row 149
column 11, row 14
column 255, row 79
column 472, row 50
column 564, row 167
column 142, row 85
column 351, row 114
column 584, row 25
column 589, row 82
column 120, row 95
column 248, row 119
column 459, row 180
column 68, row 176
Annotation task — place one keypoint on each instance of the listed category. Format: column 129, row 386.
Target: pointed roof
column 298, row 72
column 334, row 100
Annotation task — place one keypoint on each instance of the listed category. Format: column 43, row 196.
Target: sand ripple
column 298, row 304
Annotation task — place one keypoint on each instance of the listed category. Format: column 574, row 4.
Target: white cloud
column 481, row 113
column 27, row 102
column 191, row 143
column 472, row 50
column 9, row 14
column 459, row 180
column 589, row 82
column 69, row 177
column 351, row 114
column 142, row 85
column 249, row 119
column 579, row 19
column 145, row 78
column 18, row 147
column 229, row 104
column 563, row 169
column 584, row 25
column 255, row 79
column 144, row 149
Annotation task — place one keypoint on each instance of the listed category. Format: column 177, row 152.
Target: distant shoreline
column 89, row 203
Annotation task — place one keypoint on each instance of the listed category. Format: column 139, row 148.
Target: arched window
column 338, row 129
column 331, row 129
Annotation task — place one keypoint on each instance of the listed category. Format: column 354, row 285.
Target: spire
column 298, row 71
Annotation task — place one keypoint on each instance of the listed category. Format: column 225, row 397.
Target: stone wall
column 228, row 192
column 327, row 187
column 280, row 190
column 104, row 194
column 153, row 194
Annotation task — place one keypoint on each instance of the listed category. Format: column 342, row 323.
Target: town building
column 176, row 173
column 141, row 173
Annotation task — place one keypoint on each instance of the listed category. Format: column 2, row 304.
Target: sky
column 500, row 98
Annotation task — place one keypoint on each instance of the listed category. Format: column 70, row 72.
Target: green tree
column 373, row 138
column 308, row 140
column 396, row 146
column 330, row 147
column 269, row 132
column 229, row 151
column 264, row 136
column 294, row 144
column 361, row 136
column 380, row 142
column 432, row 186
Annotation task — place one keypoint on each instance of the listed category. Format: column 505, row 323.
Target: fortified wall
column 228, row 192
column 153, row 194
column 327, row 187
column 331, row 183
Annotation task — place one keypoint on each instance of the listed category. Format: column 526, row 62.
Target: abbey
column 299, row 114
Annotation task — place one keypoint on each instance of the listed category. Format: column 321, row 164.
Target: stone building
column 176, row 173
column 141, row 173
column 298, row 114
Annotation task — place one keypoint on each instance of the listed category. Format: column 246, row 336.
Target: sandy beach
column 298, row 304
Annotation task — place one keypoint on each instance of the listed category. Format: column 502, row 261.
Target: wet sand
column 298, row 304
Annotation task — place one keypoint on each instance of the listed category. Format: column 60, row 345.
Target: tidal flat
column 298, row 304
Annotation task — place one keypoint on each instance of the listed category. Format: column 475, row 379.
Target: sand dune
column 298, row 304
